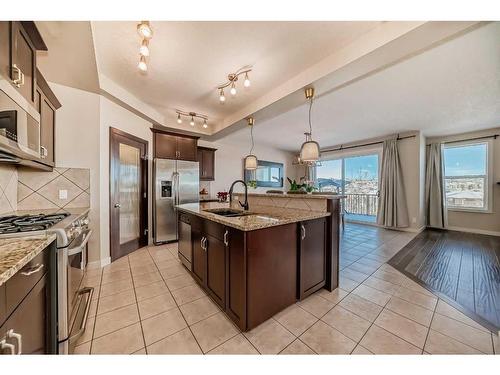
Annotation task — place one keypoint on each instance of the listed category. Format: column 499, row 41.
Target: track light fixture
column 231, row 82
column 192, row 116
column 146, row 33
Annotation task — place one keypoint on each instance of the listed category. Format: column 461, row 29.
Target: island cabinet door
column 216, row 269
column 312, row 256
column 199, row 261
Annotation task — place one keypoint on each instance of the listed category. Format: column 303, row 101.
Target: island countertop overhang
column 261, row 216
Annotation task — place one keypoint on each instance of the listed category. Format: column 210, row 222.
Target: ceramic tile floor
column 148, row 303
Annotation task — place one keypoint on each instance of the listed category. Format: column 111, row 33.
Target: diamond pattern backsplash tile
column 40, row 190
column 8, row 188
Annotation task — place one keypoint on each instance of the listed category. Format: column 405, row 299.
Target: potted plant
column 295, row 188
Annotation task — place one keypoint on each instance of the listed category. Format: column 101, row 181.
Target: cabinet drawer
column 213, row 229
column 19, row 285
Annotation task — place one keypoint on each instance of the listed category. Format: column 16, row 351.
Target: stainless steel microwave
column 19, row 126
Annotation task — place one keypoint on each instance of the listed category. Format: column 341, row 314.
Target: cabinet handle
column 303, row 230
column 205, row 243
column 225, row 238
column 36, row 268
column 19, row 338
column 19, row 80
column 43, row 152
column 5, row 345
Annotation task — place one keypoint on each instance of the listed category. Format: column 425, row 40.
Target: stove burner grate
column 28, row 223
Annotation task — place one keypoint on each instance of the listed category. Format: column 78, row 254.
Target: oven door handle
column 81, row 246
column 83, row 323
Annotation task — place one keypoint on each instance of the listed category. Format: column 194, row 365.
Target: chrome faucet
column 244, row 205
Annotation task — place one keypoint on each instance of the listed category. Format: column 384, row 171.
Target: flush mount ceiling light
column 192, row 116
column 251, row 159
column 231, row 81
column 146, row 33
column 309, row 151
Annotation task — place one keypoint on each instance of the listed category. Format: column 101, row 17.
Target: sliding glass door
column 356, row 177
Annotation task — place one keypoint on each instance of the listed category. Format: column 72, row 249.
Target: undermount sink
column 228, row 212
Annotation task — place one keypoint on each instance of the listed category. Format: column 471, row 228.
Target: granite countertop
column 296, row 196
column 261, row 216
column 16, row 252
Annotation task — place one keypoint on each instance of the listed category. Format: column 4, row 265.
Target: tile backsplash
column 8, row 188
column 45, row 190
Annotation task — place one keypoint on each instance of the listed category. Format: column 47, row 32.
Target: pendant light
column 309, row 151
column 251, row 159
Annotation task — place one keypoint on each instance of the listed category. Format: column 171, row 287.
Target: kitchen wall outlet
column 63, row 194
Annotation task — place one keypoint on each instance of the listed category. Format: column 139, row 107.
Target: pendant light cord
column 251, row 136
column 310, row 108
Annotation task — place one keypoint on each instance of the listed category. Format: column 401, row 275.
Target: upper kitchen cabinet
column 206, row 158
column 46, row 104
column 174, row 146
column 20, row 41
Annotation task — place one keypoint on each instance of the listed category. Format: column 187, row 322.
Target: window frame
column 488, row 196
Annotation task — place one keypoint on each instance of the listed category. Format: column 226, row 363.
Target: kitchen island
column 256, row 263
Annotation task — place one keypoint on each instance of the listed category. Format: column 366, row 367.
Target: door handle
column 225, row 238
column 36, row 268
column 19, row 339
column 43, row 152
column 117, row 205
column 303, row 231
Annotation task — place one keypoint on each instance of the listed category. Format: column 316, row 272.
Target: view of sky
column 465, row 160
column 358, row 167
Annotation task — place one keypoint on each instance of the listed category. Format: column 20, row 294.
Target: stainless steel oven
column 73, row 301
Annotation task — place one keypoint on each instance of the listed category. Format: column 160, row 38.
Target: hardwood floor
column 464, row 267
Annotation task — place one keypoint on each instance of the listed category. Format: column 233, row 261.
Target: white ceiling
column 452, row 88
column 190, row 59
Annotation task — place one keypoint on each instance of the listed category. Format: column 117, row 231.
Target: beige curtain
column 392, row 209
column 434, row 192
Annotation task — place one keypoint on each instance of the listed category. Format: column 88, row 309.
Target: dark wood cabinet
column 174, row 146
column 199, row 261
column 29, row 320
column 186, row 148
column 22, row 61
column 46, row 103
column 28, row 306
column 312, row 256
column 216, row 269
column 206, row 159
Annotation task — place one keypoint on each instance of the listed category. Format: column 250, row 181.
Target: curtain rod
column 365, row 144
column 494, row 136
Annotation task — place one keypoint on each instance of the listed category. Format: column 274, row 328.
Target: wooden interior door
column 128, row 183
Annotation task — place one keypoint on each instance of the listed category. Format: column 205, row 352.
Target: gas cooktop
column 29, row 223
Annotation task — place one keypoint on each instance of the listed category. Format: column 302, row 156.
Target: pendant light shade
column 250, row 162
column 309, row 151
column 251, row 159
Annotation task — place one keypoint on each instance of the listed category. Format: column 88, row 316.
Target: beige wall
column 229, row 163
column 76, row 146
column 82, row 141
column 477, row 221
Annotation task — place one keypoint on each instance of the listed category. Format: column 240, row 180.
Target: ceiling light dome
column 144, row 48
column 142, row 64
column 310, row 150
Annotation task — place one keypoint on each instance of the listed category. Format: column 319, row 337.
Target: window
column 466, row 170
column 355, row 176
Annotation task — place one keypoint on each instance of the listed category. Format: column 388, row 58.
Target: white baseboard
column 99, row 263
column 472, row 230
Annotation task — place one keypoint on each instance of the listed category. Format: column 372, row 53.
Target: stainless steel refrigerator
column 176, row 182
